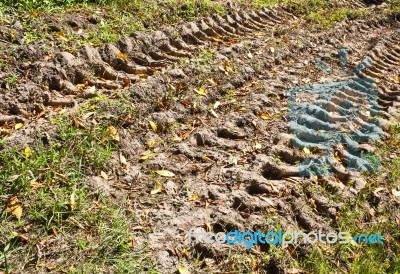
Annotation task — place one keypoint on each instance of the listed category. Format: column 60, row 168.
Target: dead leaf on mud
column 182, row 270
column 122, row 159
column 265, row 116
column 61, row 36
column 194, row 197
column 153, row 126
column 201, row 91
column 165, row 173
column 113, row 133
column 19, row 126
column 228, row 68
column 14, row 207
column 123, row 56
column 104, row 175
column 157, row 189
column 146, row 155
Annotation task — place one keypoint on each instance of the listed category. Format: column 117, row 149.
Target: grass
column 86, row 231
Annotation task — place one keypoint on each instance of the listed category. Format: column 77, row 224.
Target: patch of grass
column 65, row 225
column 328, row 17
column 12, row 81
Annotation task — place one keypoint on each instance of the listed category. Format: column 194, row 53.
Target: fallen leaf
column 27, row 152
column 104, row 175
column 228, row 68
column 146, row 155
column 14, row 207
column 72, row 201
column 265, row 116
column 201, row 91
column 306, row 151
column 153, row 126
column 183, row 270
column 165, row 173
column 122, row 159
column 257, row 146
column 207, row 159
column 113, row 133
column 78, row 122
column 217, row 104
column 211, row 81
column 157, row 189
column 123, row 56
column 61, row 36
column 19, row 126
column 151, row 143
column 36, row 185
column 194, row 197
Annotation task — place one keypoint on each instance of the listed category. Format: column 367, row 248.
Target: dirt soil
column 217, row 91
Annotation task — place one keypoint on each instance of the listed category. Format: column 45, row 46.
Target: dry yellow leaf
column 165, row 173
column 113, row 133
column 36, row 185
column 228, row 68
column 27, row 152
column 153, row 126
column 157, row 189
column 265, row 116
column 211, row 81
column 306, row 151
column 182, row 270
column 72, row 201
column 122, row 159
column 61, row 36
column 202, row 91
column 19, row 125
column 78, row 122
column 123, row 56
column 151, row 143
column 146, row 155
column 194, row 197
column 14, row 207
column 81, row 86
column 104, row 175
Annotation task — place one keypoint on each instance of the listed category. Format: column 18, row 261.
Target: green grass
column 87, row 232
